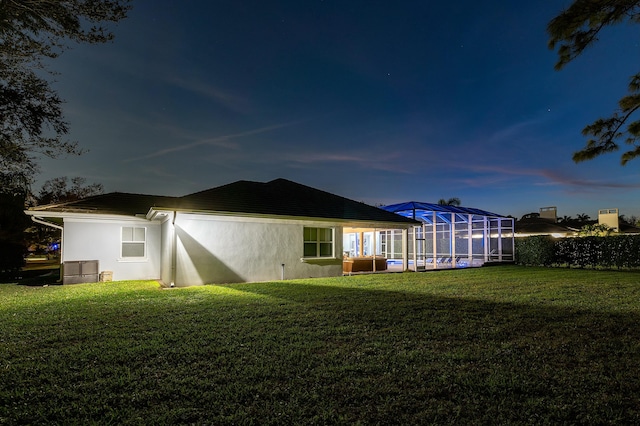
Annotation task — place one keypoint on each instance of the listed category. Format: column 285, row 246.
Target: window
column 384, row 237
column 133, row 241
column 318, row 242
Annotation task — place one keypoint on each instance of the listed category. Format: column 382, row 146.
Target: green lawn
column 493, row 345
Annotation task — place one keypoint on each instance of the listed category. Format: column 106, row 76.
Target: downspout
column 61, row 228
column 173, row 249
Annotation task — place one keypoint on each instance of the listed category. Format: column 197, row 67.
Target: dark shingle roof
column 118, row 203
column 284, row 198
column 626, row 228
column 279, row 197
column 542, row 226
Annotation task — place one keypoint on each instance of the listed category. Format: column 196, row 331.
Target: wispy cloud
column 390, row 162
column 514, row 131
column 227, row 99
column 558, row 178
column 198, row 80
column 548, row 177
column 225, row 141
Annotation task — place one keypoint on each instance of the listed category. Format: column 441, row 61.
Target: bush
column 618, row 251
column 536, row 250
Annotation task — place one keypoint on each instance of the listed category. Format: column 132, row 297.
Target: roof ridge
column 217, row 187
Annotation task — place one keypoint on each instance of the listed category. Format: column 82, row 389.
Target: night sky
column 377, row 101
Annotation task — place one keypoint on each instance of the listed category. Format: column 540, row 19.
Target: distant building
column 549, row 213
column 543, row 223
column 538, row 226
column 610, row 218
column 546, row 223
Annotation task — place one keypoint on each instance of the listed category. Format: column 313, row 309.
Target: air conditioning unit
column 80, row 271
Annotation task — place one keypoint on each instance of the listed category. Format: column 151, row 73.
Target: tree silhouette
column 574, row 30
column 565, row 219
column 32, row 33
column 582, row 217
column 58, row 190
column 450, row 202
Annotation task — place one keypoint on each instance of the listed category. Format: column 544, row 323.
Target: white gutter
column 352, row 223
column 44, row 222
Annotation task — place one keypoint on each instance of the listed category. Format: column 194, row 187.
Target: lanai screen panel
column 459, row 236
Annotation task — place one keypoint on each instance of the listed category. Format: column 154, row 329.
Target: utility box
column 106, row 276
column 80, row 271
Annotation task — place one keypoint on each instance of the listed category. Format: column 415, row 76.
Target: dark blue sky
column 377, row 101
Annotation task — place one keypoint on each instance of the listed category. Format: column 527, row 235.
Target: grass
column 500, row 345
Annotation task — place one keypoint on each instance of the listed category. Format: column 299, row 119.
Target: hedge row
column 618, row 251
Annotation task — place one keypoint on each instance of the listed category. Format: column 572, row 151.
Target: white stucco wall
column 218, row 249
column 87, row 239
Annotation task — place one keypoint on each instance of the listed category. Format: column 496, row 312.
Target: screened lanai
column 449, row 237
column 453, row 237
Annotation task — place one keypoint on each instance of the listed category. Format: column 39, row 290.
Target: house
column 543, row 223
column 530, row 226
column 546, row 223
column 240, row 232
column 611, row 219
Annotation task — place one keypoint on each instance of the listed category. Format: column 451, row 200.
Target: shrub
column 536, row 250
column 617, row 251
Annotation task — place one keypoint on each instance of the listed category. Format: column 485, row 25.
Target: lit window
column 318, row 242
column 133, row 241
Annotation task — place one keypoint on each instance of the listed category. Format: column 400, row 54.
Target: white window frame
column 318, row 242
column 133, row 241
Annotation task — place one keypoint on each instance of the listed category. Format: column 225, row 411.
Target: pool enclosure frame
column 449, row 237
